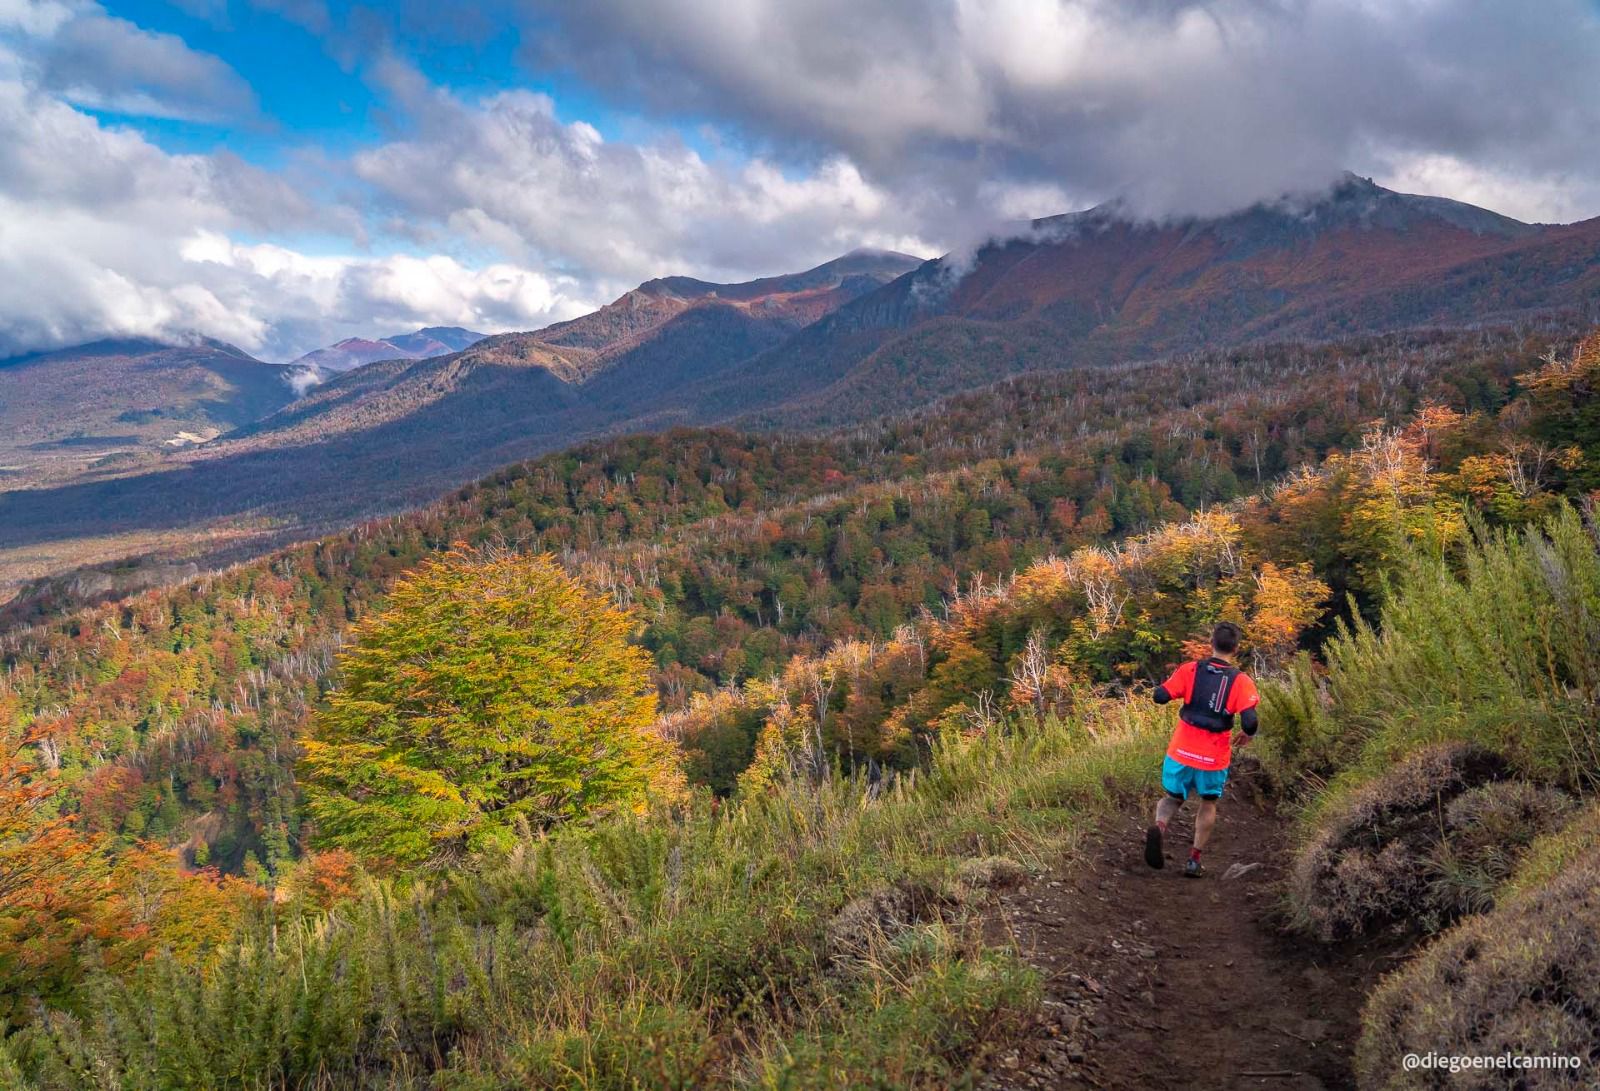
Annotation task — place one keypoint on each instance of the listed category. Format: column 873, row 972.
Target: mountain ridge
column 866, row 335
column 354, row 352
column 654, row 324
column 65, row 410
column 1100, row 285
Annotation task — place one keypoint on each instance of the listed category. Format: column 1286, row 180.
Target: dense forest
column 171, row 716
column 934, row 596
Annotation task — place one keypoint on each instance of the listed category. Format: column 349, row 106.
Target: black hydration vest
column 1207, row 707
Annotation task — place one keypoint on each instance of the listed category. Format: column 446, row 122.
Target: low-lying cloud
column 1178, row 106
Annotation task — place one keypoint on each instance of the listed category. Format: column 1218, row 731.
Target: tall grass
column 1499, row 646
column 1446, row 738
column 695, row 949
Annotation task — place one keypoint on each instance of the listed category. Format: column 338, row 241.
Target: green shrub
column 1302, row 742
column 1499, row 647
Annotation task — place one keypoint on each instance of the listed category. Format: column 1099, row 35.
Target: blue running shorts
column 1180, row 780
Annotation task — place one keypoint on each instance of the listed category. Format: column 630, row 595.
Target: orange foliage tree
column 55, row 895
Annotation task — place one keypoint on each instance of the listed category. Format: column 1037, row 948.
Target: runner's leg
column 1204, row 821
column 1166, row 810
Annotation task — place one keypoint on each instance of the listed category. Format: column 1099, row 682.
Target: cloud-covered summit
column 1178, row 105
column 158, row 177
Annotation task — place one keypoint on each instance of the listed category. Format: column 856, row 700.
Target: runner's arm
column 1179, row 686
column 1243, row 701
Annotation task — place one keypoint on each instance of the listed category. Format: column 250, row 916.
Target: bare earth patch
column 1156, row 981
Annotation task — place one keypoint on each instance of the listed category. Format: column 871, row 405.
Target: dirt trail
column 1157, row 981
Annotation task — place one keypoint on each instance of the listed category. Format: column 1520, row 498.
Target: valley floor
column 1154, row 981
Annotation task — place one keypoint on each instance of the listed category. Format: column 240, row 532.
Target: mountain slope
column 611, row 364
column 1096, row 286
column 396, row 433
column 354, row 352
column 62, row 411
column 867, row 335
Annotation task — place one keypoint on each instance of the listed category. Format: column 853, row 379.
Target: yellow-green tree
column 493, row 688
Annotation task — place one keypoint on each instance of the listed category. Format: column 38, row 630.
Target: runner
column 1213, row 691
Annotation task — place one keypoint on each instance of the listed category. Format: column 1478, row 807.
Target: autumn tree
column 1561, row 406
column 1287, row 600
column 493, row 689
column 163, row 907
column 55, row 898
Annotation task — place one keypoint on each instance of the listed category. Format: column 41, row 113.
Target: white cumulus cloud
column 104, row 234
column 497, row 214
column 508, row 174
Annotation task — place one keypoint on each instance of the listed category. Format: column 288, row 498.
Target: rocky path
column 1157, row 981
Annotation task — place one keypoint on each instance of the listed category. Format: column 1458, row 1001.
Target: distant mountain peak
column 354, row 352
column 1351, row 200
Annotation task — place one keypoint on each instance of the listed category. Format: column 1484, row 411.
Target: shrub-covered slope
column 813, row 925
column 739, row 552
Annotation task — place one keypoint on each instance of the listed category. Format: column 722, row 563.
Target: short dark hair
column 1225, row 637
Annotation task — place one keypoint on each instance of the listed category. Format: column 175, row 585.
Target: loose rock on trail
column 1157, row 981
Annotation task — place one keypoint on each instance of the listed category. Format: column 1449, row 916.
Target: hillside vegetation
column 866, row 335
column 737, row 552
column 65, row 412
column 379, row 438
column 897, row 664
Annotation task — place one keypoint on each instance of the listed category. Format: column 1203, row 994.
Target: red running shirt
column 1195, row 746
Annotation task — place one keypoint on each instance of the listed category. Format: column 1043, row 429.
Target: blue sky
column 310, row 77
column 284, row 173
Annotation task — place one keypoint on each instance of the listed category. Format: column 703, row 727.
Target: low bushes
column 811, row 935
column 1521, row 980
column 1486, row 832
column 1439, row 743
column 1423, row 843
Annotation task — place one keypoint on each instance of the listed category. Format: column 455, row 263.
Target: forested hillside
column 738, row 551
column 947, row 613
column 403, row 429
column 64, row 411
column 1099, row 286
column 865, row 336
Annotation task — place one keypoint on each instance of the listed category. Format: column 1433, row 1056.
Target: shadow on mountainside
column 1155, row 981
